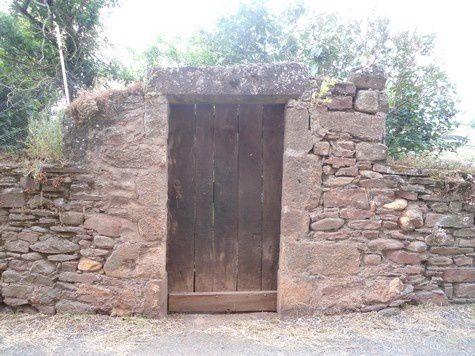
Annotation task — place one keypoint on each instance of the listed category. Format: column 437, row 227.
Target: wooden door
column 224, row 196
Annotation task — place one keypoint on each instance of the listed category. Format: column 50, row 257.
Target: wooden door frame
column 264, row 84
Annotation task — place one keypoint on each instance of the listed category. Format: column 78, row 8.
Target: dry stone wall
column 356, row 234
column 90, row 238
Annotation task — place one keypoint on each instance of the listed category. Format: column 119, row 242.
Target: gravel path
column 422, row 330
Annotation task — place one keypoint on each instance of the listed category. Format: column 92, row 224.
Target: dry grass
column 123, row 335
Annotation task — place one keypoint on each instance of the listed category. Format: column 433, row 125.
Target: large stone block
column 342, row 198
column 366, row 151
column 55, row 245
column 359, row 125
column 321, row 259
column 104, row 224
column 298, row 136
column 367, row 101
column 368, row 78
column 301, row 182
column 465, row 290
column 12, row 198
column 459, row 275
column 455, row 220
column 135, row 261
column 276, row 82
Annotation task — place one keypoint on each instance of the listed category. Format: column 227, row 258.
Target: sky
column 137, row 23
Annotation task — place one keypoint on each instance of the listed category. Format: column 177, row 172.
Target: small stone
column 104, row 224
column 372, row 78
column 12, row 198
column 321, row 148
column 367, row 101
column 403, row 257
column 398, row 204
column 467, row 232
column 347, row 171
column 42, row 267
column 338, row 181
column 417, row 246
column 17, row 246
column 340, row 102
column 439, row 261
column 459, row 275
column 55, row 244
column 411, row 220
column 327, row 224
column 371, row 151
column 385, row 244
column 467, row 243
column 463, row 260
column 343, row 88
column 355, row 198
column 372, row 260
column 455, row 220
column 103, row 241
column 85, row 264
column 439, row 237
column 364, row 224
column 73, row 218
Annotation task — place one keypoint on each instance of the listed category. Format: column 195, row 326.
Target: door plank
column 273, row 144
column 204, row 167
column 181, row 200
column 225, row 197
column 250, row 197
column 223, row 302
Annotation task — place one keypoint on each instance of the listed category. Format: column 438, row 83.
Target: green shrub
column 45, row 139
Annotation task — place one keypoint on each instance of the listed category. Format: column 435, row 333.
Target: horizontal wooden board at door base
column 222, row 302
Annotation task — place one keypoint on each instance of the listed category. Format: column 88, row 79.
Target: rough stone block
column 455, row 220
column 327, row 224
column 12, row 198
column 322, row 259
column 55, row 244
column 359, row 125
column 73, row 218
column 371, row 78
column 403, row 257
column 340, row 103
column 277, row 82
column 465, row 290
column 342, row 198
column 459, row 275
column 367, row 101
column 343, row 88
column 366, row 151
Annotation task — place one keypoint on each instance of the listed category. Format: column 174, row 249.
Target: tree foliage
column 422, row 98
column 30, row 73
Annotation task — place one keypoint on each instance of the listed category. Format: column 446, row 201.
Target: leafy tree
column 30, row 74
column 422, row 98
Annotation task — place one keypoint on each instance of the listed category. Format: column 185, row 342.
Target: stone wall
column 356, row 234
column 91, row 237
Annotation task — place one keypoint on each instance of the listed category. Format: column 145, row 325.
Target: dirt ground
column 421, row 330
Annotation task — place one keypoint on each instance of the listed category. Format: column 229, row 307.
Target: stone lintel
column 263, row 83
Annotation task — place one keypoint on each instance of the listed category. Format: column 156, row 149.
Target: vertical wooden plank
column 181, row 199
column 273, row 145
column 225, row 197
column 204, row 167
column 250, row 197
